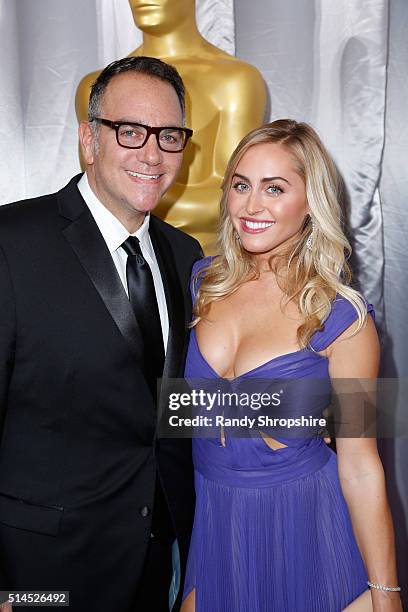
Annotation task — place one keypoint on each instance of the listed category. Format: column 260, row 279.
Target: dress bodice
column 303, row 378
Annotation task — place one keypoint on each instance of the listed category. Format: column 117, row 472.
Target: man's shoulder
column 16, row 208
column 25, row 213
column 31, row 211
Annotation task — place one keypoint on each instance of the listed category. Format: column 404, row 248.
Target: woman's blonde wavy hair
column 310, row 277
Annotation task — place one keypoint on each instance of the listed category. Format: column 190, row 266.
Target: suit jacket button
column 144, row 511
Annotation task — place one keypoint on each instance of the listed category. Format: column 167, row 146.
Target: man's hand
column 6, row 607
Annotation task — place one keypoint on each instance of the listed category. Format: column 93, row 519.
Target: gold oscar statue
column 225, row 99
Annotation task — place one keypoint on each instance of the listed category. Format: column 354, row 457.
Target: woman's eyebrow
column 241, row 176
column 268, row 179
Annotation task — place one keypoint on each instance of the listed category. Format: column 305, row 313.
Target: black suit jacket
column 79, row 453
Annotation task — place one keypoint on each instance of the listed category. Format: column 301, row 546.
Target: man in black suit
column 95, row 307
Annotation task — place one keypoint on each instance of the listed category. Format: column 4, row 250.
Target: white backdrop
column 341, row 65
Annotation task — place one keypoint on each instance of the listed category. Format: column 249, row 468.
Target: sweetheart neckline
column 309, row 352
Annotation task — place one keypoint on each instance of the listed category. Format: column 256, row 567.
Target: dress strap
column 196, row 277
column 341, row 316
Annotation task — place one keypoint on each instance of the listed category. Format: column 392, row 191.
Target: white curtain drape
column 12, row 171
column 46, row 47
column 117, row 35
column 341, row 65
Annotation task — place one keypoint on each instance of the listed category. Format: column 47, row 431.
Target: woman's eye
column 240, row 187
column 274, row 190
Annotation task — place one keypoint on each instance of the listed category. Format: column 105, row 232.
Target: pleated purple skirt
column 277, row 538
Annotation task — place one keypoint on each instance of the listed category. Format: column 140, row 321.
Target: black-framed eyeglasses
column 135, row 135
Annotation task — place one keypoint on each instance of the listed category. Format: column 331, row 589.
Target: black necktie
column 142, row 296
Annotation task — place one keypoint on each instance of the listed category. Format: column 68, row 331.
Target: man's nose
column 150, row 152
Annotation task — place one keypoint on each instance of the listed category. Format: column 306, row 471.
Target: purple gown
column 272, row 531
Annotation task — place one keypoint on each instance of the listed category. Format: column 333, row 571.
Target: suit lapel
column 174, row 299
column 84, row 237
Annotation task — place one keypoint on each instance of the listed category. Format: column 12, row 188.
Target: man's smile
column 141, row 175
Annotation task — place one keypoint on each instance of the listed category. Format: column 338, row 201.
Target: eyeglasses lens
column 134, row 136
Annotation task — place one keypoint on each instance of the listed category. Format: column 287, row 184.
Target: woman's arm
column 361, row 472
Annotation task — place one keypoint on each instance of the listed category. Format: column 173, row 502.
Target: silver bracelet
column 381, row 587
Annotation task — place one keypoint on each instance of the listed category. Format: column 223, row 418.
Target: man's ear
column 87, row 142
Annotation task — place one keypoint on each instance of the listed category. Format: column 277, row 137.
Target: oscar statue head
column 161, row 16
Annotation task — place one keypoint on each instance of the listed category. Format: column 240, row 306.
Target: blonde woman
column 283, row 524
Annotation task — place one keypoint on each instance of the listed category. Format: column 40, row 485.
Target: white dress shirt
column 115, row 235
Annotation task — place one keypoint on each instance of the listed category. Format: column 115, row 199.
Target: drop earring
column 309, row 241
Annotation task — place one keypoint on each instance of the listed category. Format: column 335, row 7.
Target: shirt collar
column 111, row 228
